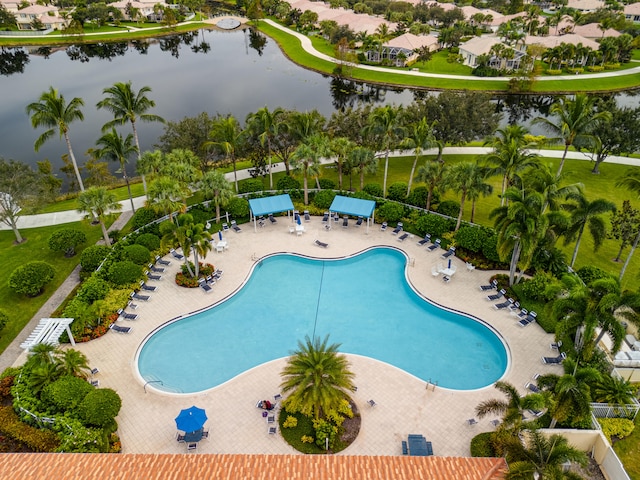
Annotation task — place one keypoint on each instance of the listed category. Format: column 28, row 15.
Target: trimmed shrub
column 390, row 212
column 93, row 289
column 199, row 215
column 93, row 256
column 100, row 407
column 373, row 189
column 362, row 195
column 238, row 207
column 589, row 273
column 4, row 319
column 451, row 208
column 143, row 216
column 66, row 393
column 37, row 439
column 66, row 240
column 616, row 427
column 287, row 183
column 31, row 278
column 397, row 192
column 149, row 240
column 251, row 185
column 490, row 248
column 471, row 238
column 418, row 197
column 138, row 254
column 435, row 225
column 327, row 184
column 122, row 273
column 324, row 199
column 542, row 287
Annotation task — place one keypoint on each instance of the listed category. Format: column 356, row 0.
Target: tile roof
column 77, row 466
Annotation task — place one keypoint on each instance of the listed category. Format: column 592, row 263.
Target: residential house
column 632, row 12
column 48, row 15
column 472, row 50
column 401, row 51
column 586, row 6
column 124, row 6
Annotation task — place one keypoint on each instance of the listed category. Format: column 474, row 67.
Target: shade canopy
column 191, row 419
column 353, row 206
column 267, row 205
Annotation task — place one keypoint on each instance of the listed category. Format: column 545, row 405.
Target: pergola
column 355, row 207
column 264, row 206
column 48, row 331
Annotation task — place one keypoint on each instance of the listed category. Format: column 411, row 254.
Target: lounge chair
column 272, row 218
column 495, row 422
column 94, row 371
column 271, row 419
column 403, row 237
column 261, row 221
column 217, row 274
column 127, row 316
column 345, row 221
column 277, row 397
column 523, row 313
column 536, row 413
column 359, row 221
column 95, row 383
column 202, row 283
column 155, row 269
column 398, row 229
column 383, row 227
column 235, row 226
column 372, row 403
column 405, row 448
column 176, row 254
column 435, row 245
column 532, row 387
column 528, row 319
column 556, row 345
column 210, row 280
column 515, row 306
column 325, row 217
column 491, row 286
column 472, row 421
column 272, row 430
column 225, row 227
column 425, row 240
column 505, row 304
column 139, row 296
column 496, row 296
column 321, row 244
column 554, row 360
column 150, row 276
column 448, row 253
column 148, row 288
column 162, row 261
column 336, row 217
column 119, row 329
column 307, row 217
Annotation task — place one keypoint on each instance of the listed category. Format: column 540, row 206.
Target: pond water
column 234, row 72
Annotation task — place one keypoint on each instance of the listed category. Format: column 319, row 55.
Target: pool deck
column 405, row 404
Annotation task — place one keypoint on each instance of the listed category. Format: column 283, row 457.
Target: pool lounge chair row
column 554, row 360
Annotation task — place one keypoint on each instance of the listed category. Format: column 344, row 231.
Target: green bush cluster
column 149, row 240
column 143, row 216
column 397, row 192
column 92, row 289
column 616, row 427
column 66, row 393
column 324, row 199
column 138, row 254
column 287, row 183
column 589, row 273
column 434, row 225
column 390, row 212
column 373, row 189
column 100, row 407
column 418, row 197
column 93, row 256
column 31, row 278
column 124, row 272
column 66, row 240
column 238, row 208
column 481, row 445
column 35, row 438
column 327, row 184
column 450, row 208
column 542, row 287
column 251, row 185
column 325, row 430
column 290, row 422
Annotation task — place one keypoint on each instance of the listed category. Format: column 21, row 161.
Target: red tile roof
column 77, row 466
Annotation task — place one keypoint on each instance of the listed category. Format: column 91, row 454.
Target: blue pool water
column 363, row 302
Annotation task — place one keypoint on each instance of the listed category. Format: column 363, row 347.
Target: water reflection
column 349, row 93
column 13, row 60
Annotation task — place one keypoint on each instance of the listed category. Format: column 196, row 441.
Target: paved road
column 48, row 219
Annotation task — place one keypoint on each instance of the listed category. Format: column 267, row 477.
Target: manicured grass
column 121, row 193
column 628, row 450
column 439, row 64
column 21, row 308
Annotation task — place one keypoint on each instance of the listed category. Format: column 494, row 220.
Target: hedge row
column 35, row 438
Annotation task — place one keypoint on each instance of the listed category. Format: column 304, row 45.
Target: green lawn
column 19, row 307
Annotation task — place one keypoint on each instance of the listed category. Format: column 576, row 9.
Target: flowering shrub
column 290, row 422
column 183, row 280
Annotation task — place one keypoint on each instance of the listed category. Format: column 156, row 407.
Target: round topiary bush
column 327, row 184
column 398, row 192
column 373, row 189
column 66, row 240
column 122, row 273
column 143, row 216
column 149, row 240
column 93, row 289
column 287, row 183
column 238, row 207
column 100, row 407
column 418, row 197
column 66, row 393
column 589, row 273
column 324, row 199
column 31, row 278
column 390, row 212
column 93, row 256
column 138, row 254
column 251, row 185
column 450, row 208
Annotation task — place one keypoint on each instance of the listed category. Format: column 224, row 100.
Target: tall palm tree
column 384, row 123
column 215, row 187
column 364, row 161
column 419, row 137
column 52, row 111
column 200, row 240
column 227, row 135
column 466, row 178
column 317, row 377
column 585, row 213
column 128, row 106
column 97, row 202
column 512, row 407
column 630, row 181
column 112, row 146
column 431, row 173
column 342, row 148
column 151, row 163
column 510, row 155
column 176, row 235
column 520, row 225
column 574, row 119
column 543, row 458
column 551, row 186
column 267, row 124
column 164, row 194
column 614, row 391
column 42, row 354
column 75, row 363
column 306, row 159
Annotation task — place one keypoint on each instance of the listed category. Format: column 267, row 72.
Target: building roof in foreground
column 76, row 466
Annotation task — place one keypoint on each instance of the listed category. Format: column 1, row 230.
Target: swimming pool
column 363, row 302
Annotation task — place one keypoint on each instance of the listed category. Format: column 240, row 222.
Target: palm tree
column 431, row 173
column 97, row 202
column 42, row 354
column 317, row 376
column 342, row 148
column 364, row 161
column 543, row 458
column 115, row 148
column 384, row 122
column 215, row 187
column 52, row 111
column 306, row 159
column 513, row 407
column 510, row 155
column 267, row 124
column 151, row 163
column 227, row 135
column 128, row 106
column 520, row 225
column 586, row 213
column 176, row 235
column 419, row 137
column 575, row 120
column 614, row 391
column 550, row 185
column 164, row 194
column 74, row 363
column 200, row 241
column 631, row 181
column 466, row 178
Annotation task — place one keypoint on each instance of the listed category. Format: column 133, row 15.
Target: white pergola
column 48, row 331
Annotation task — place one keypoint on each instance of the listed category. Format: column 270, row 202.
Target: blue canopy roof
column 353, row 206
column 267, row 205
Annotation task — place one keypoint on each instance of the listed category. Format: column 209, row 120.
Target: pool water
column 363, row 302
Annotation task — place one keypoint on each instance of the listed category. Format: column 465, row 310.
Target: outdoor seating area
column 191, row 422
column 554, row 360
column 417, row 446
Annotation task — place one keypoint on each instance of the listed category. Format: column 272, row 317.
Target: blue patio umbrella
column 220, row 234
column 298, row 220
column 191, row 419
column 449, row 263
